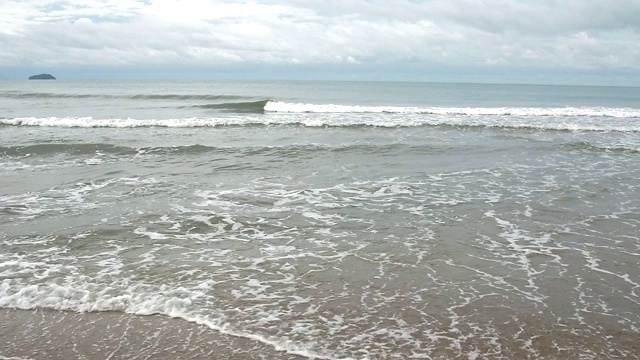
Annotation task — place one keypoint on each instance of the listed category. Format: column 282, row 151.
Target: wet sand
column 46, row 334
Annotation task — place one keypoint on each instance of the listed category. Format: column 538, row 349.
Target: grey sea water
column 327, row 220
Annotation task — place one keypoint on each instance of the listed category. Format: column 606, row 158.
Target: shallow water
column 393, row 227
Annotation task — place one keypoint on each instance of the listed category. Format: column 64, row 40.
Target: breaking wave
column 525, row 123
column 283, row 107
column 275, row 113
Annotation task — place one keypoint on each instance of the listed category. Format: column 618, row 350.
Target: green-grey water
column 323, row 220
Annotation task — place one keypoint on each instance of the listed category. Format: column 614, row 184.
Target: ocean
column 318, row 220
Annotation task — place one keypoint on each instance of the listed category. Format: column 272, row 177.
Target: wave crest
column 531, row 123
column 284, row 107
column 275, row 113
column 241, row 107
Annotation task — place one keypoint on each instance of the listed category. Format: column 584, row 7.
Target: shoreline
column 51, row 334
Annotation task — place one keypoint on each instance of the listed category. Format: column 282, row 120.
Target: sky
column 594, row 42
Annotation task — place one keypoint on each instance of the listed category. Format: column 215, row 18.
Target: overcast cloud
column 575, row 35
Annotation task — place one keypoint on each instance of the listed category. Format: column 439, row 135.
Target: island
column 42, row 77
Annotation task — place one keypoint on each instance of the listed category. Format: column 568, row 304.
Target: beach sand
column 46, row 334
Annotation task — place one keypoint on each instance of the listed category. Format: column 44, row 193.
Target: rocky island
column 42, row 77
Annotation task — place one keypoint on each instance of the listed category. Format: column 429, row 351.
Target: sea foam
column 565, row 119
column 284, row 107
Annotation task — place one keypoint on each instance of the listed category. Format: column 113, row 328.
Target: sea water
column 333, row 220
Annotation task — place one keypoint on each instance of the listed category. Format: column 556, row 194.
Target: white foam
column 90, row 122
column 277, row 106
column 151, row 234
column 281, row 113
column 138, row 299
column 93, row 161
column 13, row 166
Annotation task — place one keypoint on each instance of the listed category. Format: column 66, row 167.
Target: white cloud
column 552, row 33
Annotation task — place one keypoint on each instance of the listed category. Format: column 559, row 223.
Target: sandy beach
column 46, row 334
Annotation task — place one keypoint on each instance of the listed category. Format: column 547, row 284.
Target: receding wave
column 138, row 300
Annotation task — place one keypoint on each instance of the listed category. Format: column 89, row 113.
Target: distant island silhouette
column 42, row 77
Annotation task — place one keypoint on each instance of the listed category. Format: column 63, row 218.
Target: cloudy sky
column 541, row 41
